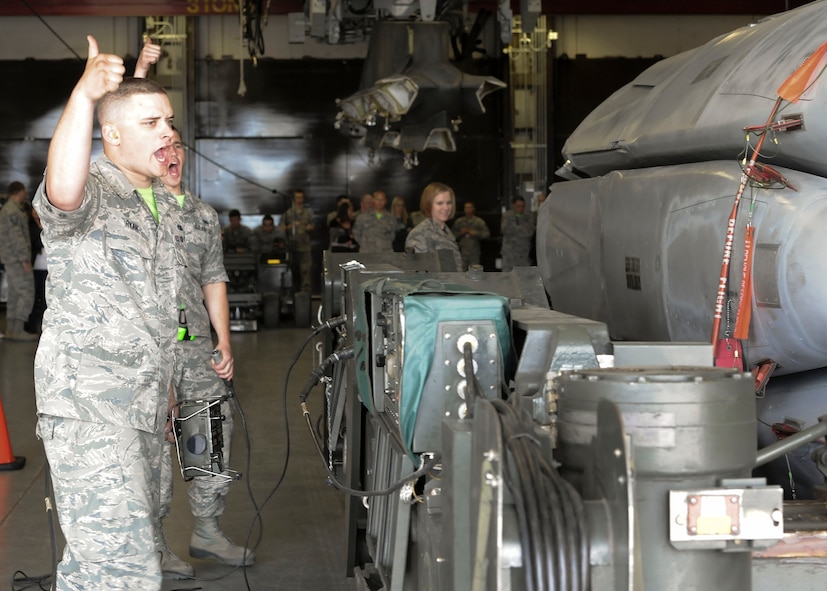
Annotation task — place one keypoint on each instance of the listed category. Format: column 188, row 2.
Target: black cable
column 235, row 174
column 556, row 545
column 328, row 324
column 50, row 519
column 318, row 373
column 287, row 441
column 20, row 581
column 250, row 494
column 45, row 24
column 235, row 404
column 472, row 384
column 427, row 467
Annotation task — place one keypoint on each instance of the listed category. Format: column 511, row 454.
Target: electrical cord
column 55, row 33
column 20, row 580
column 426, row 467
column 329, row 324
column 318, row 373
column 316, row 376
column 551, row 515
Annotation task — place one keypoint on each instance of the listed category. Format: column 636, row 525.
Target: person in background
column 374, row 230
column 517, row 229
column 196, row 375
column 365, row 206
column 113, row 237
column 341, row 230
column 469, row 230
column 403, row 223
column 270, row 239
column 433, row 234
column 237, row 237
column 298, row 225
column 16, row 254
column 40, row 272
column 339, row 200
column 417, row 217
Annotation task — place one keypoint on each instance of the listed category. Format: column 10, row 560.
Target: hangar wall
column 280, row 135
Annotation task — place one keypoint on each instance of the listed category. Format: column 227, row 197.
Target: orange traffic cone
column 8, row 461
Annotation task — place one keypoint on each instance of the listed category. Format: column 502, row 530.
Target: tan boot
column 208, row 541
column 172, row 566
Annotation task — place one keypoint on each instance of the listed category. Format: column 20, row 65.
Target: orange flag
column 794, row 86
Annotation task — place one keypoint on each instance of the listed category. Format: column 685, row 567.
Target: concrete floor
column 301, row 546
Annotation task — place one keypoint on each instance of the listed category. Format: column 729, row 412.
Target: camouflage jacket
column 517, row 231
column 429, row 237
column 234, row 238
column 15, row 246
column 205, row 262
column 299, row 237
column 112, row 292
column 268, row 242
column 467, row 242
column 375, row 231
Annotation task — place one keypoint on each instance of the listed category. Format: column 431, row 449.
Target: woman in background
column 433, row 234
column 341, row 230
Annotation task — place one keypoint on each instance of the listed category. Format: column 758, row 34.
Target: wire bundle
column 550, row 513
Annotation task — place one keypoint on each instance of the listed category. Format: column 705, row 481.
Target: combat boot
column 208, row 541
column 172, row 566
column 15, row 332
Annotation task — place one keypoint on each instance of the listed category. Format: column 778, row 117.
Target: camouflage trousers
column 21, row 292
column 305, row 260
column 194, row 379
column 515, row 257
column 471, row 253
column 105, row 480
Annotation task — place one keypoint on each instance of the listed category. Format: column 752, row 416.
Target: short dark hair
column 125, row 91
column 267, row 218
column 343, row 211
column 15, row 187
column 234, row 213
column 517, row 199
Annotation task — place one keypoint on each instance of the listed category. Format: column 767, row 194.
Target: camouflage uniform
column 102, row 374
column 517, row 231
column 300, row 242
column 193, row 377
column 429, row 237
column 469, row 246
column 235, row 238
column 375, row 232
column 269, row 242
column 16, row 249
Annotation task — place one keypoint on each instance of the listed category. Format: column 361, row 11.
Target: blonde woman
column 433, row 234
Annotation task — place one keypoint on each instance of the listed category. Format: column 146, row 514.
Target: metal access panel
column 446, row 390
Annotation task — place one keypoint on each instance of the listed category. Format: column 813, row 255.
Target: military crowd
column 374, row 227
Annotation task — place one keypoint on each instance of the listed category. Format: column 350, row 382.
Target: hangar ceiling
column 225, row 7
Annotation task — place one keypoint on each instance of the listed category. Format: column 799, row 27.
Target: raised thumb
column 93, row 46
